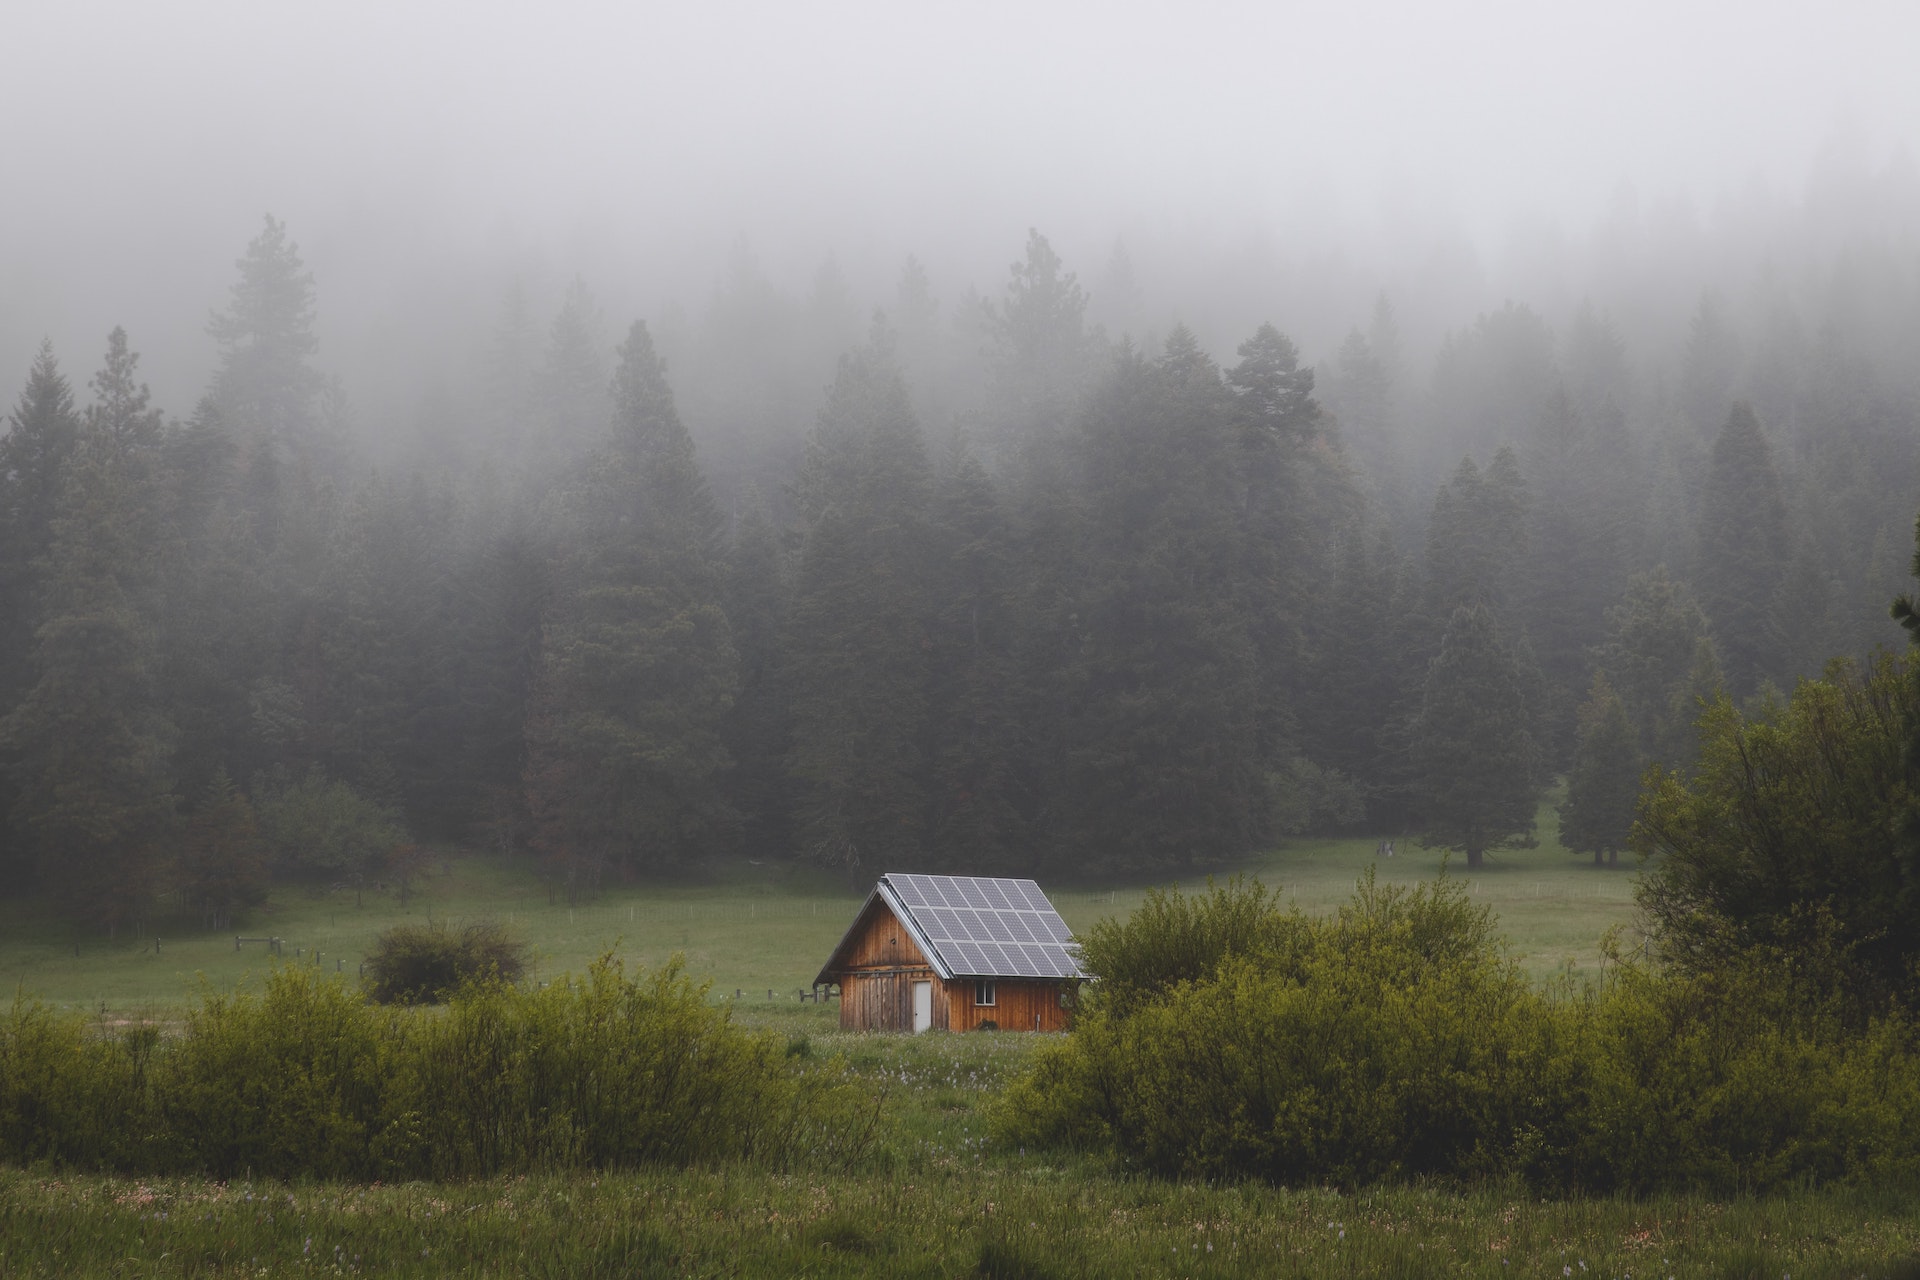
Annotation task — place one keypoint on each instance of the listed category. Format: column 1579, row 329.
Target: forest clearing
column 938, row 1195
column 750, row 928
column 847, row 640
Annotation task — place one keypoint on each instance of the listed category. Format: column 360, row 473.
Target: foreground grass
column 938, row 1201
column 960, row 1218
column 751, row 928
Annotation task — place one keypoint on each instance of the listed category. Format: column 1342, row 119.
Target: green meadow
column 751, row 928
column 939, row 1198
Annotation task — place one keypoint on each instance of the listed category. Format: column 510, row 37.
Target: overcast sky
column 143, row 141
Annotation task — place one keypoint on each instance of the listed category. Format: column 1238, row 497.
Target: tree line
column 1132, row 610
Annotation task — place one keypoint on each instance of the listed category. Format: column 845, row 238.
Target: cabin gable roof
column 969, row 927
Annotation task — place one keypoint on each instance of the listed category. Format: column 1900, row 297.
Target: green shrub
column 60, row 1085
column 320, row 829
column 308, row 1078
column 1396, row 1039
column 1173, row 938
column 424, row 964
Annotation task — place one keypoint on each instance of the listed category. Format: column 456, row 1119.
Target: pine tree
column 266, row 337
column 640, row 666
column 1354, row 679
column 980, row 784
column 1475, row 539
column 758, row 727
column 43, row 432
column 1162, row 704
column 1039, row 346
column 35, row 456
column 1472, row 751
column 1711, row 365
column 120, row 411
column 212, row 612
column 1744, row 546
column 87, row 746
column 571, row 385
column 858, row 640
column 1656, row 638
column 222, row 866
column 1604, row 783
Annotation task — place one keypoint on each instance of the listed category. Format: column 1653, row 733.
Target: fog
column 1079, row 438
column 1256, row 161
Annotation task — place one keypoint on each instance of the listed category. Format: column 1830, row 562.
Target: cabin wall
column 1017, row 1006
column 884, row 943
column 882, row 999
column 882, row 963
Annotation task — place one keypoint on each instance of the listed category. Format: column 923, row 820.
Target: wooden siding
column 882, row 999
column 879, row 962
column 882, row 942
column 1018, row 1005
column 882, row 964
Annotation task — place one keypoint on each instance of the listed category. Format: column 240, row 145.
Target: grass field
column 940, row 1199
column 751, row 928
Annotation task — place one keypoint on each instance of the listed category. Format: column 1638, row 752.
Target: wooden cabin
column 957, row 953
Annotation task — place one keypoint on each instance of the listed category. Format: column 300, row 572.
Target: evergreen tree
column 35, row 454
column 640, row 667
column 858, row 642
column 43, row 431
column 1794, row 834
column 1293, row 488
column 509, row 582
column 1744, row 545
column 87, row 746
column 1473, row 753
column 1354, row 680
column 980, row 786
column 1604, row 783
column 222, row 867
column 1162, row 704
column 1658, row 656
column 1710, row 365
column 264, row 383
column 1492, row 381
column 120, row 411
column 213, row 613
column 572, row 382
column 1476, row 539
column 758, row 731
column 1040, row 352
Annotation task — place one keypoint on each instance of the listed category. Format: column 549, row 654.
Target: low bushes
column 1396, row 1039
column 424, row 964
column 309, row 1079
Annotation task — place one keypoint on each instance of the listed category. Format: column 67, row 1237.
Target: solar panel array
column 988, row 928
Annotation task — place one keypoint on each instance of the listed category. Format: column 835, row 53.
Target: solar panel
column 988, row 928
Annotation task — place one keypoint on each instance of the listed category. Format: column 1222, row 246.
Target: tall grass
column 308, row 1079
column 1007, row 1219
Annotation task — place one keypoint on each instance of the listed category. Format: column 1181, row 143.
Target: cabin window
column 982, row 992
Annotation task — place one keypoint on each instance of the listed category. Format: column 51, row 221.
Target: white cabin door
column 922, row 1007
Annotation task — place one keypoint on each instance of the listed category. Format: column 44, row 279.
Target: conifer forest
column 1085, row 569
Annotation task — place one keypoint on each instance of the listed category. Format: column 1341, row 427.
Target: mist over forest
column 903, row 464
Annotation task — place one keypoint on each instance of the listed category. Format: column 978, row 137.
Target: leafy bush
column 1396, row 1039
column 1796, row 830
column 309, row 1079
column 1174, row 938
column 424, row 964
column 320, row 829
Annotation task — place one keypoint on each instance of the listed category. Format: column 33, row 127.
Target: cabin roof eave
column 883, row 896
